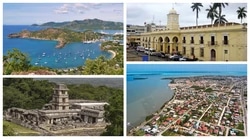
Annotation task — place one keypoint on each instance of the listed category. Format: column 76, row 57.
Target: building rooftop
column 91, row 104
column 172, row 11
column 61, row 87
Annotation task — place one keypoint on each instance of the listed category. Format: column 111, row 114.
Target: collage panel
column 63, row 39
column 63, row 106
column 186, row 32
column 187, row 99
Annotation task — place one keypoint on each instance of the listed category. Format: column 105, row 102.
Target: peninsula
column 63, row 36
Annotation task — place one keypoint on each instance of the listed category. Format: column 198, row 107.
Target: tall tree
column 95, row 67
column 15, row 61
column 196, row 7
column 211, row 13
column 114, row 115
column 241, row 13
column 220, row 19
column 220, row 6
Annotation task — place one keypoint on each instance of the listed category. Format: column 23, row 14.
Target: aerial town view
column 76, row 107
column 191, row 100
column 187, row 32
column 63, row 39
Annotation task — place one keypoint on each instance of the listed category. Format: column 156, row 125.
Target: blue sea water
column 147, row 92
column 43, row 52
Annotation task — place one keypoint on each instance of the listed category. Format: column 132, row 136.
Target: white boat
column 118, row 33
column 102, row 32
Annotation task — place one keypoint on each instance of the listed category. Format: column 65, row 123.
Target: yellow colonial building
column 217, row 42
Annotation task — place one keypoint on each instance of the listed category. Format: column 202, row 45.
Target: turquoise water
column 149, row 92
column 145, row 96
column 43, row 53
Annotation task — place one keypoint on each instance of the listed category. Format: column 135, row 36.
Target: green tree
column 220, row 6
column 13, row 98
column 114, row 115
column 241, row 13
column 211, row 13
column 220, row 19
column 95, row 67
column 196, row 7
column 15, row 61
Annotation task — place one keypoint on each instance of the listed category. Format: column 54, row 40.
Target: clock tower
column 173, row 20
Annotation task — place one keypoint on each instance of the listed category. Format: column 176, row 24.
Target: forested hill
column 112, row 82
column 33, row 94
column 92, row 24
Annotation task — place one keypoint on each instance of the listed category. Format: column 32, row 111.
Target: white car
column 183, row 59
column 146, row 51
column 140, row 49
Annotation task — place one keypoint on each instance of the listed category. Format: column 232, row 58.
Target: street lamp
column 149, row 51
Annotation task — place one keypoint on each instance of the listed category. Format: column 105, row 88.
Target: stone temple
column 60, row 114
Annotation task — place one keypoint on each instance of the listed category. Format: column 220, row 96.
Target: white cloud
column 79, row 8
column 138, row 13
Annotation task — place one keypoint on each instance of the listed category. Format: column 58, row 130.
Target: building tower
column 60, row 99
column 173, row 20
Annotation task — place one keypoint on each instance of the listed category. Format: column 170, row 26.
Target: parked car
column 161, row 54
column 152, row 52
column 183, row 59
column 175, row 57
column 140, row 49
column 146, row 51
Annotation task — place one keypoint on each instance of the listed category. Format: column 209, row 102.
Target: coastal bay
column 145, row 97
column 43, row 52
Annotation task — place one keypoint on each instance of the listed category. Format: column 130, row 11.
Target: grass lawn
column 20, row 130
column 139, row 133
column 170, row 133
column 240, row 126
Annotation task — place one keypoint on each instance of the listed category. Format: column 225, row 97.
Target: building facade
column 214, row 42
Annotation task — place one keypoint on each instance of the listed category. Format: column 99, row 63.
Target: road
column 159, row 134
column 133, row 55
column 222, row 113
column 205, row 112
column 244, row 111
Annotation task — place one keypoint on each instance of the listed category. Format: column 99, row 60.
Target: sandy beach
column 113, row 53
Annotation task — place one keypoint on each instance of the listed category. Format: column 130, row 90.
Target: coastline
column 135, row 128
column 60, row 42
column 113, row 53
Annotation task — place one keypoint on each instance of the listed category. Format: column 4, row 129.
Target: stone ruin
column 60, row 114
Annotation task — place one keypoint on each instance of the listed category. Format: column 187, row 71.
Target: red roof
column 178, row 122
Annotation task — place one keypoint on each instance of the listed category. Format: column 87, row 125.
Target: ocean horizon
column 44, row 54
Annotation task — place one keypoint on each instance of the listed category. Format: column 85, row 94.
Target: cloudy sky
column 29, row 13
column 138, row 13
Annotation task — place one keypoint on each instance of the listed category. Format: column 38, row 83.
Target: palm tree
column 196, row 7
column 219, row 6
column 220, row 19
column 241, row 13
column 211, row 13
